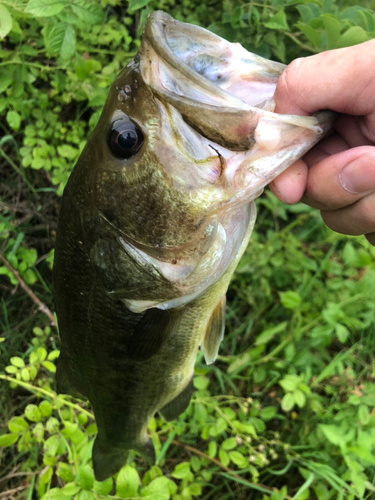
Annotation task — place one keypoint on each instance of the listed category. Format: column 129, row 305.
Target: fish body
column 154, row 219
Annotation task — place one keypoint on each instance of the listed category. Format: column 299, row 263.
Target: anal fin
column 179, row 404
column 214, row 332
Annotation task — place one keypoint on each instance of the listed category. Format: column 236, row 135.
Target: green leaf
column 71, row 488
column 269, row 334
column 65, row 472
column 224, row 457
column 51, row 445
column 55, row 494
column 299, row 398
column 103, row 487
column 158, row 489
column 32, row 413
column 311, row 34
column 45, row 408
column 5, row 21
column 86, row 477
column 127, row 482
column 267, row 413
column 290, row 299
column 8, row 439
column 333, row 29
column 44, row 8
column 363, row 414
column 6, row 78
column 238, row 459
column 14, row 119
column 287, row 402
column 229, row 444
column 68, row 45
column 182, row 471
column 48, row 365
column 277, row 22
column 342, row 333
column 290, row 382
column 352, row 36
column 201, row 383
column 137, row 4
column 17, row 361
column 17, row 425
column 38, row 432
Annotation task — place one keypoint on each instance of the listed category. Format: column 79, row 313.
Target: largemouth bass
column 154, row 219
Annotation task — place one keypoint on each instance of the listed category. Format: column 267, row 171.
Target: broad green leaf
column 277, row 22
column 342, row 333
column 44, row 8
column 267, row 413
column 239, row 459
column 224, row 457
column 5, row 21
column 17, row 361
column 51, row 445
column 352, row 36
column 363, row 414
column 311, row 34
column 45, row 408
column 91, row 13
column 14, row 119
column 68, row 45
column 17, row 425
column 85, row 495
column 103, row 487
column 65, row 472
column 137, row 4
column 127, row 482
column 182, row 471
column 55, row 494
column 51, row 367
column 38, row 432
column 333, row 29
column 32, row 413
column 8, row 439
column 6, row 78
column 290, row 382
column 290, row 299
column 229, row 444
column 201, row 383
column 299, row 398
column 287, row 402
column 158, row 489
column 71, row 488
column 86, row 477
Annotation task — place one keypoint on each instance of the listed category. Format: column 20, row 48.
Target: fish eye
column 125, row 139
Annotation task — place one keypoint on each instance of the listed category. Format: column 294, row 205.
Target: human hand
column 337, row 175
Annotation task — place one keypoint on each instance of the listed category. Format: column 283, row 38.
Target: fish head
column 187, row 140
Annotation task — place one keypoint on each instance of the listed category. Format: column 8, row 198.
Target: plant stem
column 50, row 394
column 42, row 307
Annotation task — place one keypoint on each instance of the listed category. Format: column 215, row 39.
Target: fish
column 154, row 219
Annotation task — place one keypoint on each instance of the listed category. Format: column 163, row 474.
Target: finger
column 341, row 179
column 329, row 81
column 327, row 147
column 289, row 186
column 350, row 128
column 355, row 219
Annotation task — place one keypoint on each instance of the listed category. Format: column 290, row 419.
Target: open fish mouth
column 226, row 94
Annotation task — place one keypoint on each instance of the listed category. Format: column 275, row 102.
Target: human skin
column 337, row 176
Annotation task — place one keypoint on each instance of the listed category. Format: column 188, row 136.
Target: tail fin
column 107, row 460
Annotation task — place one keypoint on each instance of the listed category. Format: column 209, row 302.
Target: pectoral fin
column 179, row 404
column 150, row 333
column 214, row 332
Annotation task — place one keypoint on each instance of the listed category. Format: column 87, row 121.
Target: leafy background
column 287, row 411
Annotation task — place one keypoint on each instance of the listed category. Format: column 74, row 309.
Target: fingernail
column 359, row 175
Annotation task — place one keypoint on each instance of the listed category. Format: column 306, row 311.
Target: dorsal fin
column 178, row 405
column 150, row 333
column 214, row 332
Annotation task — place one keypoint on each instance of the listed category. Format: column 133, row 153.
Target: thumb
column 340, row 80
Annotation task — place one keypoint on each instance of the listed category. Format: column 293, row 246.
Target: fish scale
column 153, row 221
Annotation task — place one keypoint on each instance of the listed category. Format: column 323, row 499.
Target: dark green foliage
column 289, row 404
